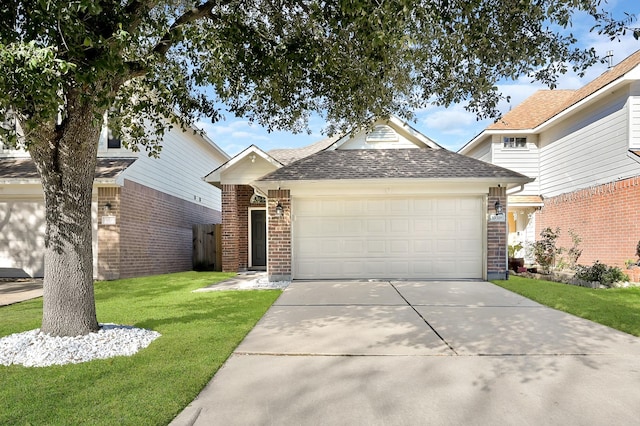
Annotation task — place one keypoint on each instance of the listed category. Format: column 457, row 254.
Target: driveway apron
column 406, row 353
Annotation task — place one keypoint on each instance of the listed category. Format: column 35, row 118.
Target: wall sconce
column 107, row 208
column 498, row 207
column 253, row 158
column 279, row 210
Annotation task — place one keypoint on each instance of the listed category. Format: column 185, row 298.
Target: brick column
column 497, row 237
column 279, row 236
column 235, row 232
column 230, row 254
column 109, row 234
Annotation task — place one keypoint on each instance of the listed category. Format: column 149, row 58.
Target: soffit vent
column 382, row 133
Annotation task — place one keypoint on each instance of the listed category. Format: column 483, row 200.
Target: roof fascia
column 509, row 183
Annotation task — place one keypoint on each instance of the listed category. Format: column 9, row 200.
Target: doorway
column 258, row 239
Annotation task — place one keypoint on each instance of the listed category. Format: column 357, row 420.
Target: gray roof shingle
column 288, row 156
column 25, row 168
column 421, row 163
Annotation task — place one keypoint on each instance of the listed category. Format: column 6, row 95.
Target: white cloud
column 451, row 121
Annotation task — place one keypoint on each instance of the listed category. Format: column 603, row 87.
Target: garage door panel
column 388, row 238
column 22, row 228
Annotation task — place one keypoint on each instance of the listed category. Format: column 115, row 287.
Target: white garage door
column 388, row 238
column 22, row 227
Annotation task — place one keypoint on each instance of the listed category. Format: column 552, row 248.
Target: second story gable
column 570, row 139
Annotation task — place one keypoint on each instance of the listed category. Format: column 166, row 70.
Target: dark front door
column 258, row 238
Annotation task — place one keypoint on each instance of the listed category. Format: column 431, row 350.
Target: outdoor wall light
column 107, row 208
column 279, row 210
column 498, row 207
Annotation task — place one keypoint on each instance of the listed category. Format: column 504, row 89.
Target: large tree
column 151, row 64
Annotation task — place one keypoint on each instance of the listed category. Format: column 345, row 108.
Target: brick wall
column 279, row 235
column 109, row 235
column 235, row 221
column 497, row 237
column 605, row 217
column 156, row 233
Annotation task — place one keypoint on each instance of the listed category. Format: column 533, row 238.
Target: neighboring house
column 582, row 147
column 143, row 208
column 389, row 203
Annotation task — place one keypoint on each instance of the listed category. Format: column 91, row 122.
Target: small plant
column 629, row 263
column 544, row 250
column 513, row 249
column 574, row 252
column 605, row 275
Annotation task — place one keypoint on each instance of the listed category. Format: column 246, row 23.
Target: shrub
column 638, row 250
column 544, row 250
column 605, row 275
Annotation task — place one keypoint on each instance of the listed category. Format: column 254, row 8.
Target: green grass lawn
column 618, row 308
column 199, row 331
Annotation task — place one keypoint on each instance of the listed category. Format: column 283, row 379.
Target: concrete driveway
column 409, row 353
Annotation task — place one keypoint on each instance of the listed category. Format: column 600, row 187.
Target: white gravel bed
column 36, row 349
column 260, row 282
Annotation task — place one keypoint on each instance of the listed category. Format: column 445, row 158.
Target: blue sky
column 451, row 127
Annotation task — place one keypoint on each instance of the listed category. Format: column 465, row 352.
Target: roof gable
column 545, row 106
column 391, row 133
column 244, row 168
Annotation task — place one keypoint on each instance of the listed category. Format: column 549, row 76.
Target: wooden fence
column 207, row 247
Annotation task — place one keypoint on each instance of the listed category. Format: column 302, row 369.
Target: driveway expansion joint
column 423, row 319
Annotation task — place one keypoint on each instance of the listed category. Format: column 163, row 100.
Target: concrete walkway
column 18, row 291
column 408, row 353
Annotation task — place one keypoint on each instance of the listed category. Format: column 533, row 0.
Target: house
column 583, row 149
column 143, row 208
column 384, row 202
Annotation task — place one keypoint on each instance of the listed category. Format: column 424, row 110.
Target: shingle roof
column 288, row 156
column 389, row 164
column 534, row 110
column 545, row 104
column 25, row 168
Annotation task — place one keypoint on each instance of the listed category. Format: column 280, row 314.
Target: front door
column 258, row 238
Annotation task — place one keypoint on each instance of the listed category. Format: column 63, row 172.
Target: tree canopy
column 275, row 61
column 151, row 64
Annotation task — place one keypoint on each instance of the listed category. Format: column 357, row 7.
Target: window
column 515, row 142
column 113, row 141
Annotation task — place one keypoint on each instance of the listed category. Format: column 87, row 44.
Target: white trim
column 250, row 236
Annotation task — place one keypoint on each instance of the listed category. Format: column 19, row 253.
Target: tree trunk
column 66, row 160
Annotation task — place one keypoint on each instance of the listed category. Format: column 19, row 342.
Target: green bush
column 605, row 275
column 545, row 249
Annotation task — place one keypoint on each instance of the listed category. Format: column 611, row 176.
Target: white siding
column 359, row 141
column 521, row 160
column 634, row 116
column 587, row 149
column 482, row 151
column 184, row 160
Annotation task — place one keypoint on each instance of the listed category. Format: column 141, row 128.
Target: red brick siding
column 156, row 234
column 235, row 221
column 497, row 236
column 605, row 217
column 279, row 236
column 109, row 235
